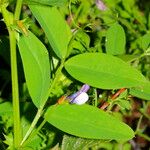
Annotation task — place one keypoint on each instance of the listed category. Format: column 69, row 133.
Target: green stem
column 143, row 135
column 8, row 18
column 95, row 94
column 138, row 124
column 15, row 92
column 70, row 12
column 145, row 114
column 18, row 9
column 40, row 110
column 35, row 132
column 39, row 128
column 109, row 108
column 33, row 124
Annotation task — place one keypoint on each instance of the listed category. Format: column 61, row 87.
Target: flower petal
column 85, row 88
column 73, row 96
column 100, row 5
column 80, row 99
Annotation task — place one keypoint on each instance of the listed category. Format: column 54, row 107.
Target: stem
column 35, row 132
column 113, row 97
column 39, row 128
column 18, row 9
column 118, row 93
column 70, row 12
column 8, row 18
column 144, row 136
column 34, row 122
column 139, row 123
column 138, row 132
column 105, row 105
column 95, row 94
column 144, row 114
column 40, row 110
column 15, row 92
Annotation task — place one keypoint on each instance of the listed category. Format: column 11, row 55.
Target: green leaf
column 124, row 13
column 81, row 42
column 88, row 122
column 47, row 2
column 36, row 65
column 142, row 92
column 128, row 5
column 128, row 58
column 103, row 71
column 34, row 143
column 71, row 142
column 6, row 108
column 124, row 104
column 145, row 41
column 139, row 17
column 55, row 27
column 115, row 40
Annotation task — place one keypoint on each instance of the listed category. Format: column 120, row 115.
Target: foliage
column 55, row 47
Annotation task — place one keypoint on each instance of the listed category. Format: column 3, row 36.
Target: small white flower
column 80, row 99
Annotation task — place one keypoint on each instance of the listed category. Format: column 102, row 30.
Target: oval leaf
column 103, row 71
column 55, row 27
column 88, row 122
column 115, row 40
column 142, row 92
column 36, row 67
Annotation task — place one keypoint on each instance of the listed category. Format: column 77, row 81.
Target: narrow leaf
column 36, row 67
column 103, row 71
column 88, row 122
column 55, row 27
column 115, row 40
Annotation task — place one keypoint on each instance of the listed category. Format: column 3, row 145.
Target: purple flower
column 85, row 88
column 80, row 99
column 100, row 5
column 81, row 96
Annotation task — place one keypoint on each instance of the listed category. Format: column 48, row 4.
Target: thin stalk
column 70, row 12
column 35, row 132
column 138, row 132
column 144, row 114
column 138, row 124
column 39, row 128
column 40, row 110
column 33, row 124
column 144, row 136
column 18, row 9
column 8, row 18
column 95, row 100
